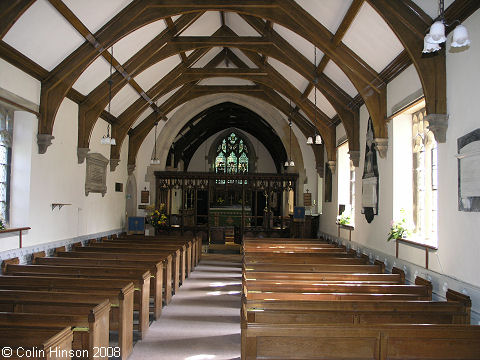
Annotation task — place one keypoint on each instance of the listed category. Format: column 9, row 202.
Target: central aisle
column 203, row 320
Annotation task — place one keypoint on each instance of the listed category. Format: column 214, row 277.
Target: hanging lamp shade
column 437, row 32
column 292, row 163
column 286, row 163
column 460, row 36
column 318, row 139
column 105, row 140
column 429, row 46
column 113, row 141
column 310, row 140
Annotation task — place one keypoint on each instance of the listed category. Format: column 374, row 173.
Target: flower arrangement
column 220, row 201
column 343, row 219
column 2, row 225
column 157, row 218
column 399, row 229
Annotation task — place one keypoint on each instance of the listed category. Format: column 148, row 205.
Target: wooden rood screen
column 254, row 201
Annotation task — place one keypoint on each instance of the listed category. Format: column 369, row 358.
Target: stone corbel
column 44, row 141
column 438, row 124
column 331, row 165
column 82, row 154
column 113, row 164
column 355, row 157
column 381, row 144
column 130, row 168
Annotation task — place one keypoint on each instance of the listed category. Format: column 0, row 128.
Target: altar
column 229, row 216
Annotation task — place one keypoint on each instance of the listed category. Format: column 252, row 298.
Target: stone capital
column 355, row 157
column 438, row 124
column 44, row 141
column 332, row 165
column 113, row 164
column 82, row 154
column 381, row 144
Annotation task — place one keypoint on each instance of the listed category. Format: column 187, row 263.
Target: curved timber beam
column 139, row 133
column 141, row 12
column 410, row 24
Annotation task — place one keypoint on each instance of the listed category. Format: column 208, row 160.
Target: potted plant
column 399, row 229
column 343, row 219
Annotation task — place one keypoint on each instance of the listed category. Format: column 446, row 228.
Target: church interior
column 251, row 179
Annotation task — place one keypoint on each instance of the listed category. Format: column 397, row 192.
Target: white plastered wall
column 458, row 246
column 56, row 176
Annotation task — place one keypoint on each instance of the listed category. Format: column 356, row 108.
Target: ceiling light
column 318, row 138
column 290, row 162
column 106, row 139
column 460, row 36
column 155, row 160
column 436, row 35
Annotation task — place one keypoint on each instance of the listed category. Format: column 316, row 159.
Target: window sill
column 346, row 227
column 419, row 243
column 416, row 244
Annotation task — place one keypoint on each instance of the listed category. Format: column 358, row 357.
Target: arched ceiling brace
column 255, row 75
column 141, row 12
column 410, row 24
column 97, row 99
column 139, row 133
column 337, row 96
column 221, row 117
column 11, row 11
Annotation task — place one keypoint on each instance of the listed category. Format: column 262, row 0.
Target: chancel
column 212, row 179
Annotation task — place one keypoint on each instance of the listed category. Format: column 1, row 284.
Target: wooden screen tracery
column 259, row 198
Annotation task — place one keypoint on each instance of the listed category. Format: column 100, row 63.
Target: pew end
column 35, row 256
column 465, row 300
column 421, row 281
column 6, row 262
column 400, row 272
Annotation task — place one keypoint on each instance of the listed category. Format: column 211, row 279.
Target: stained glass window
column 5, row 160
column 236, row 162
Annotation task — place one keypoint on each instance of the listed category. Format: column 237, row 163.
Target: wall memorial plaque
column 96, row 174
column 145, row 197
column 307, row 199
column 469, row 171
column 370, row 177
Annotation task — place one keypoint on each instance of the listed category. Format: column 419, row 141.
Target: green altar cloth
column 229, row 216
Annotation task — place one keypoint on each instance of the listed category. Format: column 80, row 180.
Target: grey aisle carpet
column 203, row 320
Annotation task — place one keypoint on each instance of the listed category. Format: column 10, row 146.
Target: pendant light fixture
column 106, row 139
column 318, row 138
column 436, row 35
column 290, row 162
column 155, row 160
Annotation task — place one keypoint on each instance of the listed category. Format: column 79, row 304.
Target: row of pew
column 309, row 299
column 65, row 306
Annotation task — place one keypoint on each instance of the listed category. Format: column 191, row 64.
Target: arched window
column 232, row 155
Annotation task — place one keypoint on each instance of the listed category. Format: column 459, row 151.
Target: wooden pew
column 326, row 277
column 120, row 294
column 91, row 329
column 132, row 253
column 140, row 279
column 192, row 244
column 356, row 312
column 124, row 257
column 48, row 344
column 388, row 341
column 314, row 268
column 196, row 242
column 303, row 259
column 185, row 256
